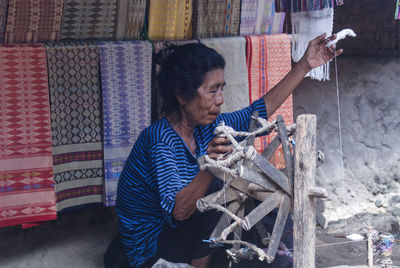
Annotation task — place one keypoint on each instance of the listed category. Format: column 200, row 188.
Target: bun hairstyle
column 183, row 70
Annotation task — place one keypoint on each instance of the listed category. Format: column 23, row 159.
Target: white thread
column 340, row 140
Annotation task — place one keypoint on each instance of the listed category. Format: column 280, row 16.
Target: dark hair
column 183, row 70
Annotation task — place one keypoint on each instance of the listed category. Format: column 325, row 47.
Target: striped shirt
column 158, row 167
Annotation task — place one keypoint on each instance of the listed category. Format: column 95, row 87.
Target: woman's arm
column 186, row 199
column 316, row 54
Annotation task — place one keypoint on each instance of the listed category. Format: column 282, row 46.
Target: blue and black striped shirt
column 158, row 167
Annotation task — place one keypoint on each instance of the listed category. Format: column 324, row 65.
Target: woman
column 161, row 181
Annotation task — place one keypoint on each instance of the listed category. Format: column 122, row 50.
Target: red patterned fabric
column 26, row 161
column 268, row 61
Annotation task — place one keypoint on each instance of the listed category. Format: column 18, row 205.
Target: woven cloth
column 306, row 26
column 88, row 19
column 259, row 17
column 26, row 164
column 397, row 14
column 268, row 62
column 75, row 99
column 305, row 5
column 236, row 91
column 130, row 19
column 170, row 19
column 33, row 21
column 3, row 17
column 216, row 18
column 126, row 86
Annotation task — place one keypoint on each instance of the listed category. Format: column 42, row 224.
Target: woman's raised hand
column 318, row 53
column 219, row 147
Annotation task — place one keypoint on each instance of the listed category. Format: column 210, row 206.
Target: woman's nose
column 220, row 98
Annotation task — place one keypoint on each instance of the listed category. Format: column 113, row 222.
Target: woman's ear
column 180, row 99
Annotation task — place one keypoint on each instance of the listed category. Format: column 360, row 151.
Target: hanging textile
column 26, row 164
column 397, row 14
column 3, row 17
column 33, row 21
column 236, row 91
column 170, row 19
column 268, row 62
column 126, row 86
column 259, row 17
column 75, row 100
column 290, row 6
column 306, row 26
column 130, row 19
column 216, row 18
column 88, row 19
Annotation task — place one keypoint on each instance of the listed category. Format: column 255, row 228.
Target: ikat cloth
column 126, row 85
column 268, row 62
column 236, row 90
column 33, row 21
column 216, row 18
column 3, row 17
column 259, row 17
column 76, row 122
column 130, row 19
column 170, row 19
column 26, row 162
column 88, row 19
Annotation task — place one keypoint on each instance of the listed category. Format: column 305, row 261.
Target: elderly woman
column 161, row 180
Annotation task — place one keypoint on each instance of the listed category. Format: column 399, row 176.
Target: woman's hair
column 183, row 70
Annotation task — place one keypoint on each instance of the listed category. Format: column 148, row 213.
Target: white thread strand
column 340, row 140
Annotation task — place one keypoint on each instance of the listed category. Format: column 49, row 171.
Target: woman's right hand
column 219, row 147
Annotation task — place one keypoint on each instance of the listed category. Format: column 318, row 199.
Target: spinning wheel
column 249, row 175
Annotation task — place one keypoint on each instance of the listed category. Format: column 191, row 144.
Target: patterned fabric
column 33, row 21
column 126, row 85
column 159, row 166
column 216, row 18
column 305, row 5
column 3, row 17
column 26, row 164
column 130, row 19
column 75, row 99
column 306, row 26
column 170, row 19
column 88, row 19
column 268, row 62
column 236, row 91
column 397, row 14
column 259, row 17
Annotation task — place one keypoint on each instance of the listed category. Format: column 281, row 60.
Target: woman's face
column 204, row 108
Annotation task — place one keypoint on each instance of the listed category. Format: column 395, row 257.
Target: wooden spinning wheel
column 249, row 175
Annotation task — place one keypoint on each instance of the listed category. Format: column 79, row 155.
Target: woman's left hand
column 317, row 53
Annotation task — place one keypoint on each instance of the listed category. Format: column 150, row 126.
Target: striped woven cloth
column 259, row 17
column 268, row 62
column 170, row 19
column 26, row 163
column 126, row 87
column 75, row 99
column 216, row 18
column 88, row 19
column 3, row 17
column 236, row 91
column 305, row 5
column 33, row 21
column 130, row 19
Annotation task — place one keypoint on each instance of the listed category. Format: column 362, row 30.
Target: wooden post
column 304, row 179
